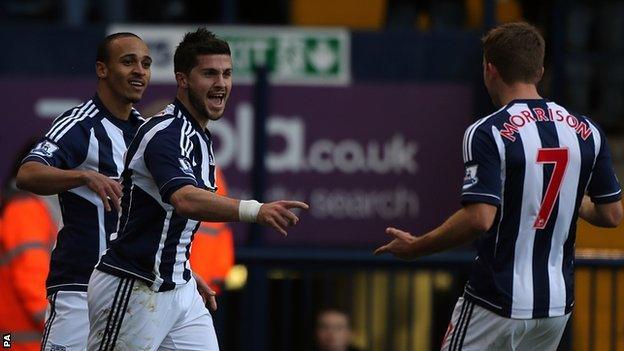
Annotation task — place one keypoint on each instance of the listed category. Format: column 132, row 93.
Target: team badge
column 45, row 148
column 470, row 177
column 185, row 166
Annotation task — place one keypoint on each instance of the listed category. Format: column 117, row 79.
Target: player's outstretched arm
column 461, row 228
column 607, row 215
column 202, row 205
column 47, row 180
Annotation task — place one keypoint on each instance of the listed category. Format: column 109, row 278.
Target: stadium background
column 364, row 109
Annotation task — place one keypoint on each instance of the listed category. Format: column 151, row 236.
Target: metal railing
column 394, row 305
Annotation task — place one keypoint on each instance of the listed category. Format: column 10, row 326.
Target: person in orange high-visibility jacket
column 212, row 253
column 27, row 232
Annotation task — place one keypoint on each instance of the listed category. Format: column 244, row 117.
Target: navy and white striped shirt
column 87, row 137
column 171, row 150
column 535, row 161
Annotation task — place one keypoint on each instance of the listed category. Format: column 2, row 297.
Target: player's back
column 534, row 160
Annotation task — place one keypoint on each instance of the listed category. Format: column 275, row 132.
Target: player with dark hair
column 532, row 168
column 81, row 159
column 142, row 294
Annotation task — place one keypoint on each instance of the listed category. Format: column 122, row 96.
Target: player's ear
column 101, row 70
column 182, row 80
column 491, row 69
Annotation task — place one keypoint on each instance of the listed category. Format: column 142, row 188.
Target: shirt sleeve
column 482, row 178
column 64, row 146
column 168, row 157
column 603, row 186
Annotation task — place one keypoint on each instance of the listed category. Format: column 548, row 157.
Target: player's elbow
column 183, row 207
column 183, row 204
column 481, row 224
column 613, row 217
column 481, row 216
column 23, row 179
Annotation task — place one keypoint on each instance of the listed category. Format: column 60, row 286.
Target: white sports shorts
column 67, row 322
column 474, row 328
column 125, row 314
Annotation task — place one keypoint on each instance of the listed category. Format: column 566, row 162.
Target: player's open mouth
column 216, row 98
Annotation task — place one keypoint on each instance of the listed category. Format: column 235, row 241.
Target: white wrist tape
column 248, row 210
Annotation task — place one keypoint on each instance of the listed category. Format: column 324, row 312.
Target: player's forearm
column 456, row 231
column 47, row 180
column 202, row 205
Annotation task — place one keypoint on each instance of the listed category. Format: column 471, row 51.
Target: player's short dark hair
column 199, row 42
column 516, row 50
column 103, row 50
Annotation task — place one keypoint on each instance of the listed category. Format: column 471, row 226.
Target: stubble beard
column 198, row 104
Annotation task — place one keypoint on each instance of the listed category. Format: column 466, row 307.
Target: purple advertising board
column 364, row 156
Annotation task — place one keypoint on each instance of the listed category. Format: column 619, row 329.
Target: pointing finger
column 295, row 204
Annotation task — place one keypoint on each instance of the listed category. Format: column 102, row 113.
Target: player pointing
column 532, row 168
column 142, row 295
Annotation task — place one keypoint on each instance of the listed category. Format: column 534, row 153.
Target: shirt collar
column 178, row 104
column 133, row 119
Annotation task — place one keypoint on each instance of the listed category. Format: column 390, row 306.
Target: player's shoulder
column 161, row 120
column 79, row 113
column 78, row 119
column 493, row 118
column 484, row 124
column 164, row 127
column 578, row 117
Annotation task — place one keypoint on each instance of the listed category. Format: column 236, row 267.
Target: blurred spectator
column 27, row 232
column 333, row 331
column 212, row 253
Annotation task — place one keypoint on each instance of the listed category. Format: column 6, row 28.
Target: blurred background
column 357, row 107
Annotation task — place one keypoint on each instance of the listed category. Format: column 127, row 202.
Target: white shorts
column 474, row 328
column 125, row 314
column 67, row 322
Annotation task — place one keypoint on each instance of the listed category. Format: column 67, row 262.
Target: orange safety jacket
column 27, row 233
column 212, row 253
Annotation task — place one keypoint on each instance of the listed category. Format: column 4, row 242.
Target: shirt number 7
column 559, row 157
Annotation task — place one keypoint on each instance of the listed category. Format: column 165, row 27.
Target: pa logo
column 6, row 341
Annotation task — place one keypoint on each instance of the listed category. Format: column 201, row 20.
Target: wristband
column 248, row 210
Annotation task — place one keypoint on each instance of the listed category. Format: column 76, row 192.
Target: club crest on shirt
column 470, row 177
column 45, row 148
column 185, row 166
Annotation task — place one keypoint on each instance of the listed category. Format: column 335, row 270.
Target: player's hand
column 207, row 294
column 109, row 190
column 278, row 214
column 402, row 246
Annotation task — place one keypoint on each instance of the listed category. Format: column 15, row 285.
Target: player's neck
column 517, row 91
column 119, row 109
column 203, row 122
